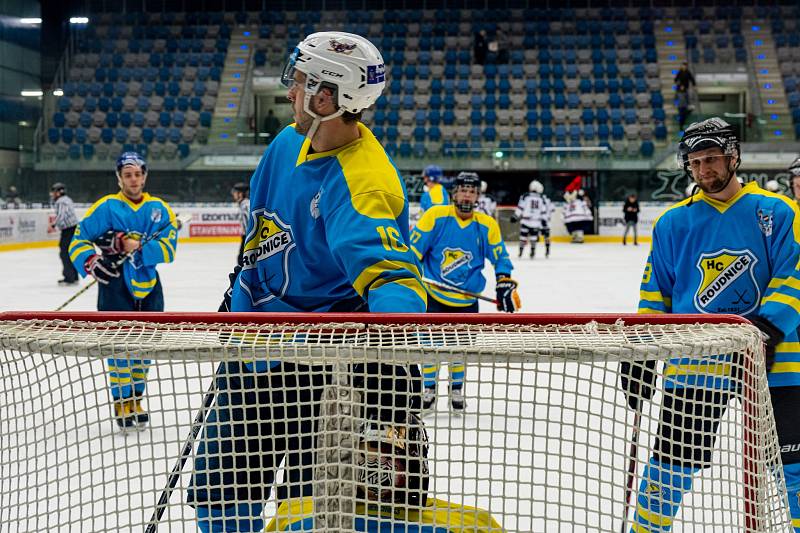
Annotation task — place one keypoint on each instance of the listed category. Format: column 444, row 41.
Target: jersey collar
column 304, row 156
column 724, row 206
column 122, row 198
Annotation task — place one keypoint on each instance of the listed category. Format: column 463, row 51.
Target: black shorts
column 261, row 420
column 690, row 419
column 526, row 231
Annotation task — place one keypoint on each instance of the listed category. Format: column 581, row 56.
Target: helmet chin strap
column 318, row 119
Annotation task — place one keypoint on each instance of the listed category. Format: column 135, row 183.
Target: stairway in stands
column 227, row 122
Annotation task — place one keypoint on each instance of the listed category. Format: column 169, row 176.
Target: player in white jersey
column 241, row 195
column 578, row 215
column 486, row 204
column 530, row 212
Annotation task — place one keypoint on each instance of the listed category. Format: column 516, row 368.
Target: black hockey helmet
column 794, row 168
column 241, row 187
column 58, row 187
column 393, row 463
column 710, row 133
column 467, row 179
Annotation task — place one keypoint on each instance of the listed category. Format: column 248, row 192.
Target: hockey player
column 392, row 489
column 486, row 203
column 241, row 195
column 723, row 228
column 452, row 242
column 547, row 215
column 328, row 232
column 578, row 215
column 116, row 224
column 530, row 212
column 435, row 193
column 66, row 221
column 794, row 173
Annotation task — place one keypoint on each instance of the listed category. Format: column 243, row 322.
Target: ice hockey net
column 544, row 444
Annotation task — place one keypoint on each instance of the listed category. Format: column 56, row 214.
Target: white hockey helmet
column 484, row 187
column 772, row 186
column 536, row 186
column 344, row 61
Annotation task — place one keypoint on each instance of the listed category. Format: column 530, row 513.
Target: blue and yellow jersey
column 116, row 212
column 435, row 195
column 438, row 516
column 738, row 257
column 454, row 251
column 326, row 228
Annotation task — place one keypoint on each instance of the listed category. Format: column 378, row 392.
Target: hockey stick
column 188, row 446
column 631, row 474
column 179, row 220
column 448, row 287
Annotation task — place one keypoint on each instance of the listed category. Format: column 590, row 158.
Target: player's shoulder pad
column 162, row 203
column 368, row 170
column 98, row 203
column 778, row 199
column 431, row 215
column 676, row 208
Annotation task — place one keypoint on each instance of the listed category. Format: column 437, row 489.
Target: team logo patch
column 341, row 48
column 765, row 221
column 376, row 74
column 314, row 207
column 727, row 282
column 453, row 259
column 155, row 215
column 267, row 247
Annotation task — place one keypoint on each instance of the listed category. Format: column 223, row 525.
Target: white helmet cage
column 536, row 186
column 346, row 62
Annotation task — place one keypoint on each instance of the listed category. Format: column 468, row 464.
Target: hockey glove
column 637, row 380
column 507, row 297
column 101, row 268
column 225, row 306
column 110, row 242
column 771, row 335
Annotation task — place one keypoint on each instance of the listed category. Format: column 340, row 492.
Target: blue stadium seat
column 107, row 135
column 178, row 119
column 627, row 85
column 614, row 100
column 161, row 135
column 587, row 116
column 138, row 119
column 434, row 133
column 546, row 133
column 617, row 132
column 659, row 114
column 629, row 115
column 476, row 117
column 599, row 86
column 490, row 117
column 183, row 150
column 53, row 135
column 660, row 132
column 616, row 115
column 88, row 151
column 647, row 149
column 588, row 132
column 434, row 117
column 656, row 99
column 573, row 102
column 545, row 117
column 121, row 135
column 125, row 119
column 603, row 132
column 174, row 135
column 628, row 100
column 574, row 133
column 419, row 133
column 147, row 135
column 613, row 85
column 74, row 151
column 475, row 133
column 560, row 101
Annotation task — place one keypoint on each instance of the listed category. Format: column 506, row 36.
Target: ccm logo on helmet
column 332, row 73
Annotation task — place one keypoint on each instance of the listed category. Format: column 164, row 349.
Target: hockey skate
column 428, row 399
column 124, row 415
column 547, row 250
column 457, row 401
column 65, row 281
column 142, row 416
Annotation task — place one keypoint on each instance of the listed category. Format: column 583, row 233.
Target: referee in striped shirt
column 65, row 221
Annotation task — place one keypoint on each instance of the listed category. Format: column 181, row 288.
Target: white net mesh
column 324, row 440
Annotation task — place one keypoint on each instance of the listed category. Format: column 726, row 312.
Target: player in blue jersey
column 453, row 243
column 328, row 232
column 435, row 193
column 726, row 249
column 116, row 224
column 388, row 498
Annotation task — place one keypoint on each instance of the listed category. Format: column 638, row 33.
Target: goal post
column 544, row 443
